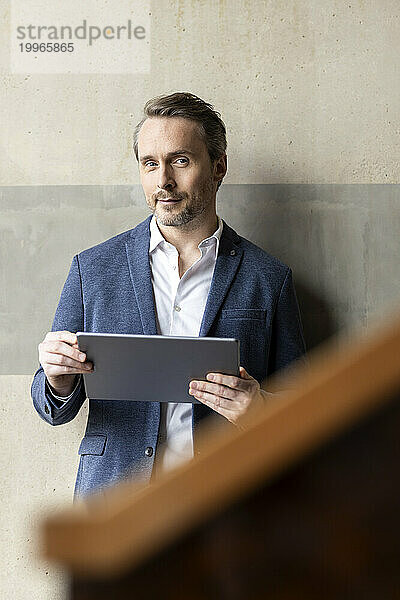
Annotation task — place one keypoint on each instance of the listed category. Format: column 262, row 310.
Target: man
column 183, row 271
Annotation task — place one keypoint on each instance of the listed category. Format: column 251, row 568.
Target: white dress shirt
column 179, row 306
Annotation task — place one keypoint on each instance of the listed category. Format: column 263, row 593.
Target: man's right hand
column 61, row 360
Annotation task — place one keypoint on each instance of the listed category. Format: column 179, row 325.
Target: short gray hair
column 187, row 106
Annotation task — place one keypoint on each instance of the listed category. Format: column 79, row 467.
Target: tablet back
column 153, row 368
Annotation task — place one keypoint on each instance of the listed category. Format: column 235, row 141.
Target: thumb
column 244, row 374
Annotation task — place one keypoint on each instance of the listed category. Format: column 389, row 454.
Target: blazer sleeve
column 287, row 339
column 69, row 316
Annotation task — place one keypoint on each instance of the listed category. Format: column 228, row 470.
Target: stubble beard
column 195, row 206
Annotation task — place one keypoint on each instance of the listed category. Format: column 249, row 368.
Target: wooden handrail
column 124, row 525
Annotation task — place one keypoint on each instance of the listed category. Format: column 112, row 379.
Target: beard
column 190, row 207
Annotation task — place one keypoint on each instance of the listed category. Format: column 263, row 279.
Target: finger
column 59, row 347
column 60, row 359
column 57, row 370
column 213, row 388
column 216, row 401
column 62, row 336
column 228, row 380
column 244, row 373
column 229, row 414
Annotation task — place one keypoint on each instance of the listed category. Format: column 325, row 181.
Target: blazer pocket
column 254, row 314
column 93, row 444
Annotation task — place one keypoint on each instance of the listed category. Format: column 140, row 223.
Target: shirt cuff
column 63, row 398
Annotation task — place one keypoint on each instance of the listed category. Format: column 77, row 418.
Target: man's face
column 176, row 171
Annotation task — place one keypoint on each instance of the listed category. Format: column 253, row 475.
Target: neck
column 186, row 238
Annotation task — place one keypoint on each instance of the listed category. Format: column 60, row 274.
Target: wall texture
column 342, row 242
column 310, row 95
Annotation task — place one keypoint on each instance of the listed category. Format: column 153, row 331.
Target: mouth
column 169, row 201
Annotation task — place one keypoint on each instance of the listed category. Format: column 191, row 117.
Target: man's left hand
column 228, row 395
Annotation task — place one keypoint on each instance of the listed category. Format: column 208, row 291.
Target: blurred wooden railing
column 274, row 509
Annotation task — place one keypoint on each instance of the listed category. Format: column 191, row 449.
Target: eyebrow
column 170, row 154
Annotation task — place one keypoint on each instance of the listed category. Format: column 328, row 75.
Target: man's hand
column 61, row 360
column 230, row 396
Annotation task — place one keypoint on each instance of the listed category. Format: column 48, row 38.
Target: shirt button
column 149, row 451
column 233, row 252
column 177, row 308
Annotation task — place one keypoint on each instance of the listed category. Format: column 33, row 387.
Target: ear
column 220, row 167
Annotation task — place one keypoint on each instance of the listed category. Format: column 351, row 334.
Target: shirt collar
column 157, row 238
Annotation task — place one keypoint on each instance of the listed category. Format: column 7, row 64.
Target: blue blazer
column 109, row 290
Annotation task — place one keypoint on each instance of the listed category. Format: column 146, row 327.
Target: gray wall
column 342, row 241
column 310, row 95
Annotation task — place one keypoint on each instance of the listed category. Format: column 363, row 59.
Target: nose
column 165, row 178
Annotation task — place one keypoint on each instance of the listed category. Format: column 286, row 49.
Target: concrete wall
column 309, row 94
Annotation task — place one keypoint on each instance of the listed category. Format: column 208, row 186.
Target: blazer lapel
column 227, row 263
column 226, row 266
column 137, row 251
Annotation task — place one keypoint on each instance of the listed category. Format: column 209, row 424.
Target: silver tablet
column 154, row 368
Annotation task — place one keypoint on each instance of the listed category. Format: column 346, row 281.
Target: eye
column 149, row 163
column 185, row 160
